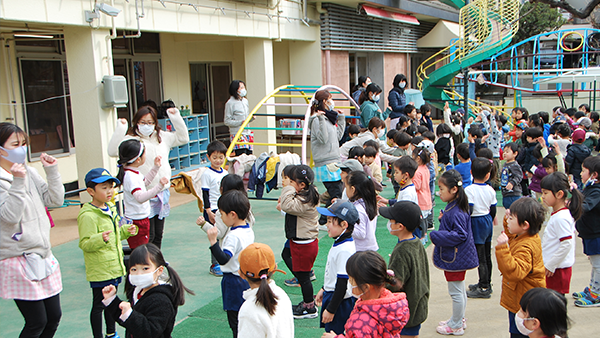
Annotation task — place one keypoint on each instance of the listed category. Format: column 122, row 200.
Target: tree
column 537, row 18
column 581, row 13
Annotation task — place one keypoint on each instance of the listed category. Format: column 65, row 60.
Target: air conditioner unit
column 115, row 91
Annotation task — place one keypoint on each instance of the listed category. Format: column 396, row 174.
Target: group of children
column 356, row 278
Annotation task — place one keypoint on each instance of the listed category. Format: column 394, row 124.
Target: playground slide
column 487, row 26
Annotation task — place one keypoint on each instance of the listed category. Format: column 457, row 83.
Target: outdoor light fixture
column 102, row 7
column 34, row 36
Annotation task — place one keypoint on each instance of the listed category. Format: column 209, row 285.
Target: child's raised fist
column 125, row 307
column 212, row 235
column 109, row 291
column 18, row 170
column 164, row 181
column 200, row 221
column 502, row 239
column 157, row 161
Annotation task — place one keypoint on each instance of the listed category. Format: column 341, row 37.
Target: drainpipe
column 327, row 66
column 306, row 20
column 10, row 83
column 137, row 18
column 319, row 7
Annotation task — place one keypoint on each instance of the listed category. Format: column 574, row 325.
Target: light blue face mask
column 17, row 155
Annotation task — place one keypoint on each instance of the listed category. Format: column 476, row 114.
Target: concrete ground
column 186, row 248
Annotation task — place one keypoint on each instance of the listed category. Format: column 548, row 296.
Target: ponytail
column 265, row 296
column 558, row 181
column 304, row 174
column 129, row 151
column 451, row 179
column 178, row 287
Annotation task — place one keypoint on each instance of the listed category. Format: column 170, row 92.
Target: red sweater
column 383, row 317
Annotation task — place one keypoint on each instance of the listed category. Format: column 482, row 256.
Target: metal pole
column 595, row 94
column 466, row 91
column 572, row 94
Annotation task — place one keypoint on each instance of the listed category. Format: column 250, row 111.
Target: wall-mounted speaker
column 115, row 91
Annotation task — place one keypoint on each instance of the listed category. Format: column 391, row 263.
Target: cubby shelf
column 192, row 155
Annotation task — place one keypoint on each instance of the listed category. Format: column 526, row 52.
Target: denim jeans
column 458, row 293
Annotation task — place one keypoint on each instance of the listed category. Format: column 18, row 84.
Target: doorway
column 210, row 91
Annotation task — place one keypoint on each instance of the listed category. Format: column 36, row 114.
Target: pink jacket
column 378, row 318
column 421, row 182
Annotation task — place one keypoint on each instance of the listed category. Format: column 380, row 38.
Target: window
column 48, row 123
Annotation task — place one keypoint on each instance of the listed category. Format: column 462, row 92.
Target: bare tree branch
column 582, row 14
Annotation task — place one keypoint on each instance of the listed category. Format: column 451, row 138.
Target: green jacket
column 103, row 260
column 368, row 110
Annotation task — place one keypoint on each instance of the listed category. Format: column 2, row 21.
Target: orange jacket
column 522, row 267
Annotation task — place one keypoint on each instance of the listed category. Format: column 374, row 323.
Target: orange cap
column 257, row 261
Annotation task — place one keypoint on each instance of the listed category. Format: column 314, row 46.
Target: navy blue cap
column 341, row 209
column 100, row 175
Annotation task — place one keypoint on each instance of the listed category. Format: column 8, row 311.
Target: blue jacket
column 397, row 102
column 454, row 246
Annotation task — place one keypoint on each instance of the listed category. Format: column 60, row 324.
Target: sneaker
column 479, row 293
column 578, row 295
column 112, row 335
column 588, row 301
column 312, row 276
column 444, row 322
column 292, row 282
column 473, row 287
column 447, row 330
column 304, row 310
column 215, row 270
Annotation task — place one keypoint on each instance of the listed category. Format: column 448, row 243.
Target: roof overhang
column 440, row 35
column 388, row 15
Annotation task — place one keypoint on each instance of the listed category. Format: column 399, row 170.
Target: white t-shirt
column 481, row 196
column 336, row 265
column 255, row 321
column 236, row 240
column 134, row 181
column 408, row 193
column 211, row 182
column 560, row 228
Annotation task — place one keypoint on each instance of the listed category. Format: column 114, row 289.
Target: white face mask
column 389, row 226
column 402, row 84
column 243, row 93
column 330, row 105
column 381, row 133
column 146, row 129
column 142, row 281
column 17, row 155
column 521, row 326
column 376, row 98
column 359, row 295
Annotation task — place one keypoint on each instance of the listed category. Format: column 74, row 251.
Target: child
column 543, row 313
column 558, row 241
column 154, row 302
column 562, row 138
column 136, row 198
column 267, row 311
column 336, row 298
column 234, row 207
column 464, row 167
column 587, row 227
column 519, row 255
column 347, row 167
column 402, row 140
column 353, row 130
column 229, row 182
column 371, row 160
column 361, row 192
column 482, row 201
column 378, row 312
column 211, row 183
column 426, row 117
column 100, row 239
column 526, row 157
column 444, row 147
column 510, row 179
column 404, row 171
column 594, row 116
column 454, row 251
column 538, row 172
column 421, row 182
column 299, row 201
column 409, row 261
column 576, row 153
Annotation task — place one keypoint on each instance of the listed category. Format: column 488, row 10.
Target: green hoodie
column 103, row 260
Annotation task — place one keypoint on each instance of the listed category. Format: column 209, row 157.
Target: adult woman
column 236, row 112
column 29, row 273
column 359, row 88
column 397, row 99
column 326, row 129
column 368, row 104
column 157, row 142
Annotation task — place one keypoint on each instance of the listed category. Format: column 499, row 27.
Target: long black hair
column 397, row 79
column 128, row 150
column 233, row 88
column 361, row 80
column 451, row 179
column 304, row 174
column 550, row 308
column 150, row 253
column 558, row 181
column 232, row 182
column 364, row 189
column 423, row 154
column 371, row 88
column 264, row 295
column 368, row 267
